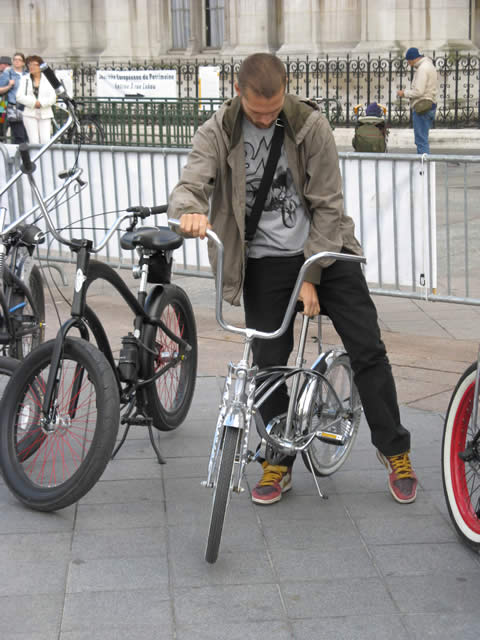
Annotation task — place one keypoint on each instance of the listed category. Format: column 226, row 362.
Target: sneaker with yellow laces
column 276, row 480
column 402, row 480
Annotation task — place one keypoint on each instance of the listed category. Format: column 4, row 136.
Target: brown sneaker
column 275, row 481
column 402, row 480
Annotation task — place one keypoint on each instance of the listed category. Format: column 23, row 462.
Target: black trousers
column 344, row 296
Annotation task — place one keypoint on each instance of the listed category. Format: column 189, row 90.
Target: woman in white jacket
column 38, row 96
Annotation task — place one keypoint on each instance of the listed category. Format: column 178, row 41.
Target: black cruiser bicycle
column 61, row 409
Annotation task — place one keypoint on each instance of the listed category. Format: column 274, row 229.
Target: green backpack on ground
column 369, row 138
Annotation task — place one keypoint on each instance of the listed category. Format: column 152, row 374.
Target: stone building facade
column 147, row 30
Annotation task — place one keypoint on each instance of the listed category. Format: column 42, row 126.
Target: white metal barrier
column 413, row 214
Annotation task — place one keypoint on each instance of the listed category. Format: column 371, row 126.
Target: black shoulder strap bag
column 266, row 182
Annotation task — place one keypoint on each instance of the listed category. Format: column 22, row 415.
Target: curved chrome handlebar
column 253, row 333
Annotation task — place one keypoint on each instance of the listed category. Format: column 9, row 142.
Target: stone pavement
column 126, row 562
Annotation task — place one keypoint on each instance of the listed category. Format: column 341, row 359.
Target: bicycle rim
column 462, row 479
column 327, row 458
column 170, row 396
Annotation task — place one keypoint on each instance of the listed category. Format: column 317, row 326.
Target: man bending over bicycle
column 301, row 215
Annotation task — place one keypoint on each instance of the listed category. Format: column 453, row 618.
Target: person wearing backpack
column 422, row 96
column 371, row 132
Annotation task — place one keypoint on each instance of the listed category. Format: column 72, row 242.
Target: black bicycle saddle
column 153, row 238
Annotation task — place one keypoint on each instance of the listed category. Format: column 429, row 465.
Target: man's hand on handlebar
column 308, row 295
column 194, row 225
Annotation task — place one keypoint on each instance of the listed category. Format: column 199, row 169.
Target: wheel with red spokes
column 461, row 460
column 169, row 396
column 50, row 461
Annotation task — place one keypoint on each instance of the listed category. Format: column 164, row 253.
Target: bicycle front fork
column 236, row 411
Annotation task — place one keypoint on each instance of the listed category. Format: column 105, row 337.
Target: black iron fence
column 347, row 81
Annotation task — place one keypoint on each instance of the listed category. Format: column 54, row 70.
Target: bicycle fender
column 235, row 418
column 153, row 300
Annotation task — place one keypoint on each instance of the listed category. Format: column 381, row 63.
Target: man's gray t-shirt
column 284, row 225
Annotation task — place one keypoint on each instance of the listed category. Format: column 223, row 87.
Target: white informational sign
column 66, row 77
column 394, row 211
column 137, row 83
column 208, row 85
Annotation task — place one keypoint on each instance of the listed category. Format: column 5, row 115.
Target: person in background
column 5, row 62
column 422, row 96
column 38, row 96
column 371, row 131
column 10, row 79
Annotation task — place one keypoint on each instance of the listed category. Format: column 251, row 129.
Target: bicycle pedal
column 330, row 438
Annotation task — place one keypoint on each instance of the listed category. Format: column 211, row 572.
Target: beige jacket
column 424, row 83
column 213, row 183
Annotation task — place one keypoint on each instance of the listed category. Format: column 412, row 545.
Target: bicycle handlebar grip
column 144, row 212
column 160, row 209
column 49, row 73
column 27, row 164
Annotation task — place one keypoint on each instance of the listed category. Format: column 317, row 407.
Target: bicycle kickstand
column 324, row 496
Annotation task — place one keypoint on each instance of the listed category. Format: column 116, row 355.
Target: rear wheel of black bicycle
column 221, row 494
column 29, row 320
column 343, row 407
column 170, row 396
column 64, row 455
column 461, row 461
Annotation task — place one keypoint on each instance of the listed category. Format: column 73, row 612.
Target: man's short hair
column 262, row 73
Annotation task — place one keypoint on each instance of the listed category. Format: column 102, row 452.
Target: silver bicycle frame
column 236, row 412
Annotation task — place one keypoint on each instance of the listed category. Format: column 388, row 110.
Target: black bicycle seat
column 153, row 238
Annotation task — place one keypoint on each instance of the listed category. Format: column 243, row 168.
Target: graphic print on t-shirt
column 282, row 197
column 283, row 226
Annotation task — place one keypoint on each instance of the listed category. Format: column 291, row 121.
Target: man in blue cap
column 422, row 96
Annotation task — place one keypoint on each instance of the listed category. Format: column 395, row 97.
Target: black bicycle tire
column 221, row 494
column 35, row 286
column 319, row 471
column 90, row 469
column 163, row 418
column 459, row 408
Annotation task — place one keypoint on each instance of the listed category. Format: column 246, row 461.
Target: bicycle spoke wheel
column 461, row 477
column 327, row 458
column 29, row 321
column 169, row 397
column 221, row 494
column 51, row 462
